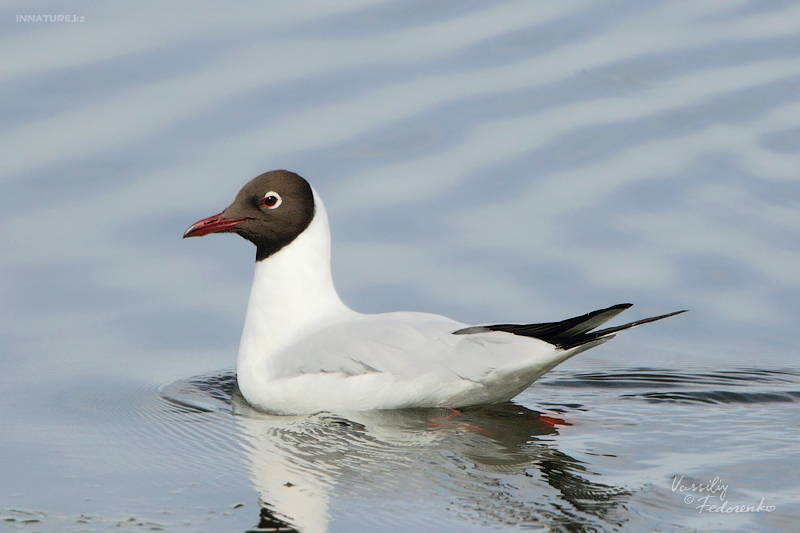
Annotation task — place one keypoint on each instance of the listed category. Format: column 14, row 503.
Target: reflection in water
column 490, row 465
column 463, row 460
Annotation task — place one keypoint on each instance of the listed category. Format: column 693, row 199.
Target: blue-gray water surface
column 490, row 161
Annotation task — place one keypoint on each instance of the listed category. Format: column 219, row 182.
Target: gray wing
column 406, row 345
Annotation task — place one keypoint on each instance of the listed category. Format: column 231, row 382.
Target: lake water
column 493, row 162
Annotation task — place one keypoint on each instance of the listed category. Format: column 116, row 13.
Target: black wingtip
column 615, row 329
column 572, row 332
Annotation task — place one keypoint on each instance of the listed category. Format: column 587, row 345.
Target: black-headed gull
column 304, row 351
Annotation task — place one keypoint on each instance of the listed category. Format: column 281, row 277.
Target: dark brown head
column 270, row 211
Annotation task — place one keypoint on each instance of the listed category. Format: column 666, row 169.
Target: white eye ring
column 272, row 200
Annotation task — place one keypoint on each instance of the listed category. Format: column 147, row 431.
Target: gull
column 304, row 351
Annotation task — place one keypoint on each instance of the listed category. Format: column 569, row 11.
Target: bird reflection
column 495, row 463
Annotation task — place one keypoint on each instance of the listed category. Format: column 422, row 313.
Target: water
column 499, row 162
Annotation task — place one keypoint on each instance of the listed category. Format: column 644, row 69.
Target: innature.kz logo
column 50, row 18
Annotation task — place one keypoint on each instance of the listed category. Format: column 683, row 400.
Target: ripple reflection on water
column 465, row 460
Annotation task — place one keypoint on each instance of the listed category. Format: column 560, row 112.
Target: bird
column 303, row 351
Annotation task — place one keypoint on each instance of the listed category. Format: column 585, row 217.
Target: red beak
column 213, row 224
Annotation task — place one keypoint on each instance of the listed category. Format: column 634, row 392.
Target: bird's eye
column 271, row 200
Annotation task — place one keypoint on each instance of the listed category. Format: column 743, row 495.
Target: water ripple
column 765, row 385
column 720, row 397
column 647, row 377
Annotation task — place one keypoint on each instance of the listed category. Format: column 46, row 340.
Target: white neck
column 292, row 293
